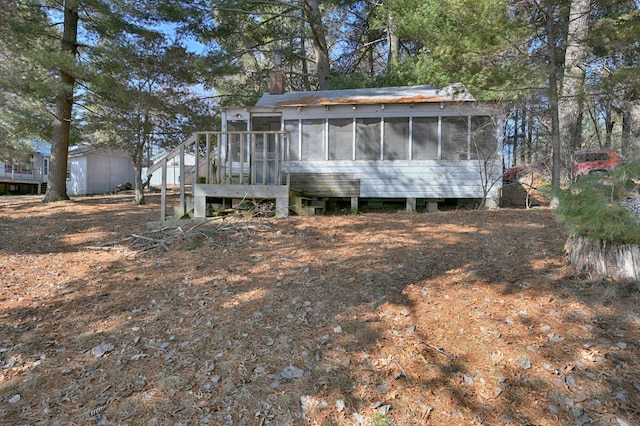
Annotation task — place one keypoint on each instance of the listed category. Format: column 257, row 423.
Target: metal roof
column 384, row 95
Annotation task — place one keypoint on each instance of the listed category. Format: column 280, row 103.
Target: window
column 368, row 139
column 292, row 126
column 483, row 138
column 68, row 171
column 455, row 143
column 425, row 138
column 312, row 140
column 396, row 138
column 235, row 141
column 341, row 139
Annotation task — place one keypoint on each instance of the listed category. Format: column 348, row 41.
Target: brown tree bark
column 571, row 101
column 553, row 103
column 137, row 167
column 314, row 18
column 601, row 259
column 393, row 41
column 57, row 184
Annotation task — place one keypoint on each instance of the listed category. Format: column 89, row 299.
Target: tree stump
column 604, row 259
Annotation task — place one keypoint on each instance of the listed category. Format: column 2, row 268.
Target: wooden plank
column 241, row 191
column 326, row 185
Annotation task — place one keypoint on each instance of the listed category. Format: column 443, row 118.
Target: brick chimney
column 276, row 77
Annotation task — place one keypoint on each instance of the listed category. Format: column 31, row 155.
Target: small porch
column 16, row 179
column 226, row 166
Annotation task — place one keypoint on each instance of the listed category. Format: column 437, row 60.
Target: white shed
column 92, row 170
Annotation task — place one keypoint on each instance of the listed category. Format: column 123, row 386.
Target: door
column 268, row 153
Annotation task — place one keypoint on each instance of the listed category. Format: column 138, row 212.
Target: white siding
column 411, row 179
column 99, row 172
column 77, row 171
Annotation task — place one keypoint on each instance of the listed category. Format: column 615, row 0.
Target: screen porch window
column 312, row 140
column 455, row 138
column 368, row 139
column 483, row 138
column 340, row 139
column 293, row 127
column 234, row 141
column 425, row 138
column 396, row 138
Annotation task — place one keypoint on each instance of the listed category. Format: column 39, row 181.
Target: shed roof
column 386, row 95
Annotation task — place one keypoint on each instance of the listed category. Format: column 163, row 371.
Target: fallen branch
column 113, row 243
column 104, row 248
column 153, row 240
column 437, row 349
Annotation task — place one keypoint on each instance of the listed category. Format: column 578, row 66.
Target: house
column 26, row 175
column 92, row 170
column 418, row 144
column 173, row 169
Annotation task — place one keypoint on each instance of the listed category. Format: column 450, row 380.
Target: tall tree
column 61, row 134
column 571, row 100
column 550, row 16
column 145, row 97
column 23, row 116
column 482, row 43
column 613, row 80
column 314, row 19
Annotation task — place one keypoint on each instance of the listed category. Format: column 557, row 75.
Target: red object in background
column 594, row 160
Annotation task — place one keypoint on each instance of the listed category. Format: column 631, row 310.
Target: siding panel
column 415, row 179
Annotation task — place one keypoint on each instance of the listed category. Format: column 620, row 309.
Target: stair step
column 307, row 206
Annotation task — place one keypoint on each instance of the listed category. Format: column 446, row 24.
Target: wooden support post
column 432, row 206
column 200, row 206
column 354, row 204
column 411, row 205
column 163, row 190
column 282, row 206
column 181, row 210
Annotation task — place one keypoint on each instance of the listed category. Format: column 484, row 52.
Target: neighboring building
column 26, row 175
column 173, row 169
column 93, row 170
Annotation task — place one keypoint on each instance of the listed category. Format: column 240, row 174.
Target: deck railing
column 10, row 172
column 226, row 157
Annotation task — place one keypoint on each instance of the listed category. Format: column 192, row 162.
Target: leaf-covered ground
column 455, row 317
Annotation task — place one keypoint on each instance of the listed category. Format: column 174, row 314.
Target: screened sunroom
column 418, row 144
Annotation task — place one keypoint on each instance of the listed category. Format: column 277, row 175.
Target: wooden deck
column 228, row 165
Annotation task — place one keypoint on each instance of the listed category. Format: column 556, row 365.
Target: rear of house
column 418, row 144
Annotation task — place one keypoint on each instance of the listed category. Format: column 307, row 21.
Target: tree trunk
column 553, row 104
column 314, row 18
column 57, row 184
column 601, row 259
column 305, row 68
column 626, row 131
column 393, row 40
column 571, row 102
column 137, row 167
